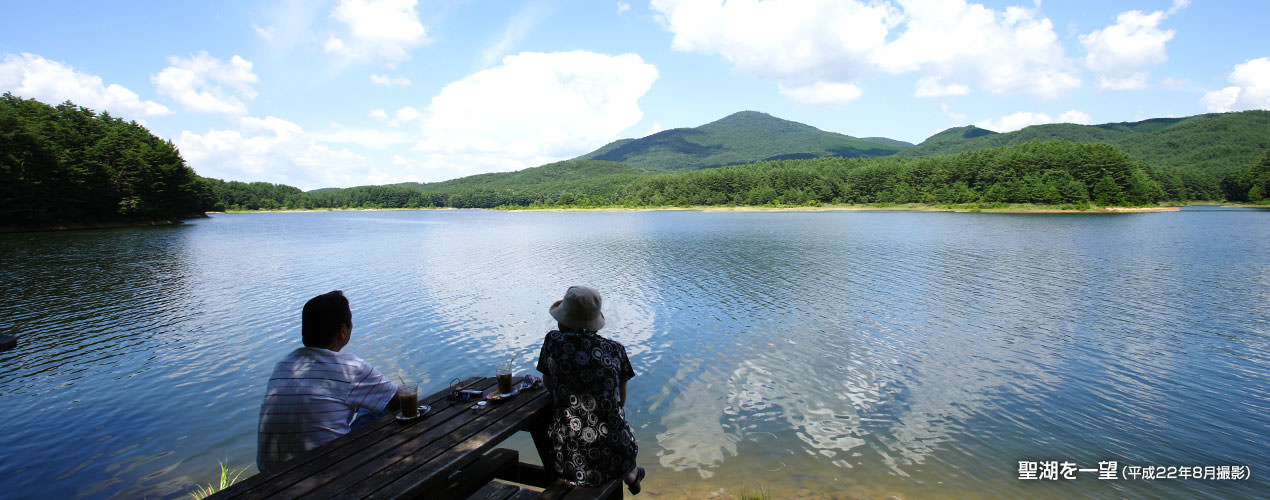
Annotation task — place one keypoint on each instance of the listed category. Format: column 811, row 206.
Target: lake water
column 816, row 355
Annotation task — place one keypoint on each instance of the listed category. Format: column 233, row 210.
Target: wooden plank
column 526, row 494
column 458, row 442
column 611, row 490
column 330, row 477
column 494, row 490
column 323, row 457
column 532, row 475
column 415, row 475
column 478, row 474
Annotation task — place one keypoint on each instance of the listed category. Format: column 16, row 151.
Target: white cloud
column 1077, row 117
column 386, row 29
column 798, row 43
column 1014, row 51
column 406, row 115
column 1124, row 53
column 1016, row 121
column 1022, row 119
column 515, row 31
column 823, row 93
column 958, row 117
column 265, row 32
column 34, row 77
column 202, row 83
column 1251, row 89
column 623, row 7
column 369, row 138
column 533, row 109
column 379, row 114
column 274, row 150
column 389, row 81
column 933, row 86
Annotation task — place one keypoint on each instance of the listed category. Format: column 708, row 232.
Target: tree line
column 1078, row 175
column 66, row 164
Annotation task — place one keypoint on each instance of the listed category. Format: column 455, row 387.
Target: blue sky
column 351, row 92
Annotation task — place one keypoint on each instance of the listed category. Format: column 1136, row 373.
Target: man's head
column 327, row 321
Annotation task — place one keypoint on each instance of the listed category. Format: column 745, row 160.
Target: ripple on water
column 830, row 355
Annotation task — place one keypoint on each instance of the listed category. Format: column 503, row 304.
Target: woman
column 586, row 375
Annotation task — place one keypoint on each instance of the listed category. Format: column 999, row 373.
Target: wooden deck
column 446, row 454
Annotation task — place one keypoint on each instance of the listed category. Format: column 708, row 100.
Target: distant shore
column 908, row 207
column 99, row 225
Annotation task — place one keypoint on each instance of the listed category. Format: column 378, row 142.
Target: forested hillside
column 1216, row 144
column 739, row 138
column 69, row 165
column 1058, row 173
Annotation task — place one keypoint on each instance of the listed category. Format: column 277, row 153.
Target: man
column 315, row 391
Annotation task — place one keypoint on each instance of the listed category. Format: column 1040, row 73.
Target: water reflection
column 859, row 355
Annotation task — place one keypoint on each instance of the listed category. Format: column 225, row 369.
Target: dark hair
column 322, row 317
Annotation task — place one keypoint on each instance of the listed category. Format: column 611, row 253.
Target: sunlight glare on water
column 816, row 355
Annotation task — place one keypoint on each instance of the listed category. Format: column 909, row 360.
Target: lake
column 813, row 354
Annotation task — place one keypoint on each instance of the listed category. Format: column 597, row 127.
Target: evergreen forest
column 67, row 165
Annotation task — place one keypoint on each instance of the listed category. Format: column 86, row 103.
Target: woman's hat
column 579, row 309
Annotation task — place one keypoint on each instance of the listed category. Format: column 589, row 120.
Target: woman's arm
column 621, row 401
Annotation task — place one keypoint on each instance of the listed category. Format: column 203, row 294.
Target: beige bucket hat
column 579, row 309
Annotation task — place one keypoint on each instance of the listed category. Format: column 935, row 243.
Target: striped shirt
column 311, row 399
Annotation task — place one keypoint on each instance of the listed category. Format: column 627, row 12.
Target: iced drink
column 409, row 394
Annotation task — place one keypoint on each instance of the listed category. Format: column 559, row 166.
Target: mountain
column 739, row 138
column 1216, row 142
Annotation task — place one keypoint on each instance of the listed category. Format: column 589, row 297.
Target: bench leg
column 542, row 442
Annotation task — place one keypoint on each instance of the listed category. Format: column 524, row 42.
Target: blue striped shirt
column 311, row 399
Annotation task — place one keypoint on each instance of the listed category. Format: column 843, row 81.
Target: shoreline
column 910, row 207
column 907, row 207
column 99, row 225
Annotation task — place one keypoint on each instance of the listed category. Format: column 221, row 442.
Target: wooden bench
column 448, row 453
column 499, row 490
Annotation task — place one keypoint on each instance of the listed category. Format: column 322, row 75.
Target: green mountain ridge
column 737, row 139
column 1216, row 142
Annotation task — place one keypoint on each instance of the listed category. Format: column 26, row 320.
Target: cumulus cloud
column 390, row 81
column 623, row 7
column 34, row 77
column 1251, row 89
column 386, row 29
column 1022, row 119
column 1123, row 54
column 533, row 109
column 274, row 150
column 1013, row 51
column 403, row 115
column 823, row 93
column 205, row 84
column 933, row 86
column 1077, row 117
column 373, row 138
column 950, row 43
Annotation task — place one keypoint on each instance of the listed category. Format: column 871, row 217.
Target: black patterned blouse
column 589, row 435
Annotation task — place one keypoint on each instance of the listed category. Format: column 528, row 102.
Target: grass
column 227, row 478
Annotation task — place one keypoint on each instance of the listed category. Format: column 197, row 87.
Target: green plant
column 227, row 478
column 761, row 494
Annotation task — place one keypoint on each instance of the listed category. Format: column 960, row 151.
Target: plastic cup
column 409, row 396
